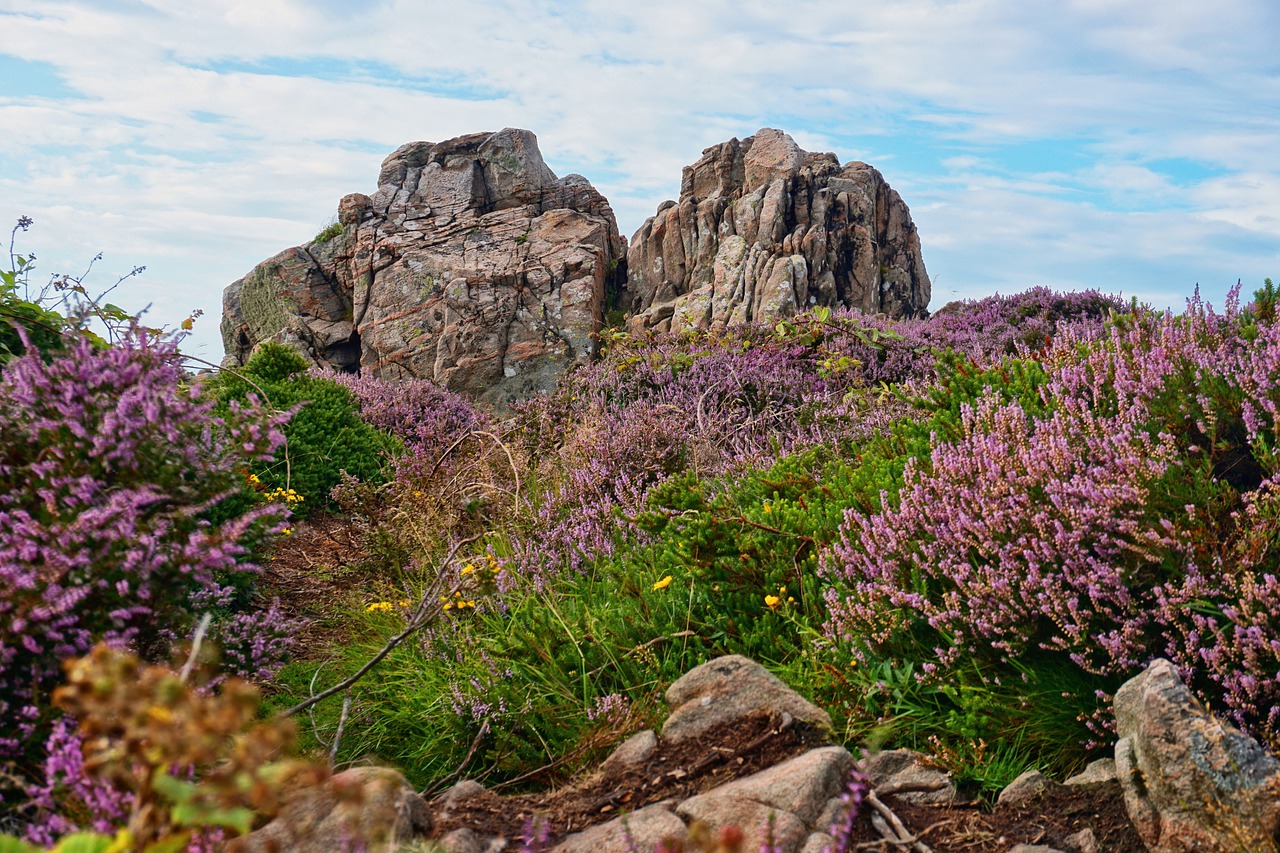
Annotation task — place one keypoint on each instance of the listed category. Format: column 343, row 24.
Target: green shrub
column 327, row 233
column 326, row 436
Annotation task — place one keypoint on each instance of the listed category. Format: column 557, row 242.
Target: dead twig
column 891, row 827
column 421, row 615
column 434, row 788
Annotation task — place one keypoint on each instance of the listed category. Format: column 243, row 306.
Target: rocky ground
column 675, row 773
column 313, row 570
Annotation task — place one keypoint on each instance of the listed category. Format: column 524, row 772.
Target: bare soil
column 730, row 752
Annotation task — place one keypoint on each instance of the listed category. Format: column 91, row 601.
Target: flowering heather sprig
column 99, row 805
column 108, row 458
column 426, row 417
column 855, row 791
column 536, row 835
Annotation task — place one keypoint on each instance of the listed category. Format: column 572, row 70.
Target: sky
column 1127, row 145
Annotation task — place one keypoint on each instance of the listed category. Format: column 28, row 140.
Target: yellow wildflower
column 379, row 606
column 773, row 601
column 663, row 584
column 468, row 569
column 160, row 714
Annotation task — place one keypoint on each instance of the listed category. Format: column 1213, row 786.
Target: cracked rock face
column 763, row 230
column 472, row 266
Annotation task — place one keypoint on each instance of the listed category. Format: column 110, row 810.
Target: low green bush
column 325, row 436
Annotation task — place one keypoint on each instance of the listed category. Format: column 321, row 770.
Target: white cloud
column 1029, row 138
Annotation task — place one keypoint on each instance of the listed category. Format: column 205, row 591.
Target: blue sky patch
column 22, row 78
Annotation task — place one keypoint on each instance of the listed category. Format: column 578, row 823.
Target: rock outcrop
column 472, row 266
column 1189, row 781
column 763, row 229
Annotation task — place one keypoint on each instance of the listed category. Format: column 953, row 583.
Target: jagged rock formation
column 764, row 229
column 472, row 265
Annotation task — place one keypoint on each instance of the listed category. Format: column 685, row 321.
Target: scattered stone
column 1083, row 841
column 463, row 841
column 906, row 774
column 763, row 230
column 1191, row 782
column 1033, row 848
column 643, row 830
column 1026, row 787
column 818, row 842
column 463, row 790
column 472, row 266
column 732, row 688
column 631, row 752
column 373, row 804
column 801, row 786
column 1095, row 772
column 833, row 811
column 758, row 822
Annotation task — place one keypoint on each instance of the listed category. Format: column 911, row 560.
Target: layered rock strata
column 763, row 230
column 472, row 265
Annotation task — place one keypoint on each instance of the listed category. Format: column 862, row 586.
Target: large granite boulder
column 1190, row 781
column 472, row 266
column 763, row 230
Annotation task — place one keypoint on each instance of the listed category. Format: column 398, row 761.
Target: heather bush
column 1117, row 509
column 109, row 464
column 159, row 759
column 325, row 435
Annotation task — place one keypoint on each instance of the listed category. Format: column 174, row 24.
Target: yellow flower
column 773, row 601
column 160, row 714
column 663, row 584
column 379, row 606
column 468, row 569
column 768, row 507
column 286, row 531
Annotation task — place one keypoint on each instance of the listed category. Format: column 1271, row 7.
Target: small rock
column 904, row 774
column 818, row 842
column 643, row 830
column 448, row 799
column 463, row 841
column 730, row 689
column 1083, row 841
column 1023, row 789
column 632, row 752
column 801, row 786
column 753, row 818
column 1033, row 848
column 831, row 812
column 1101, row 770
